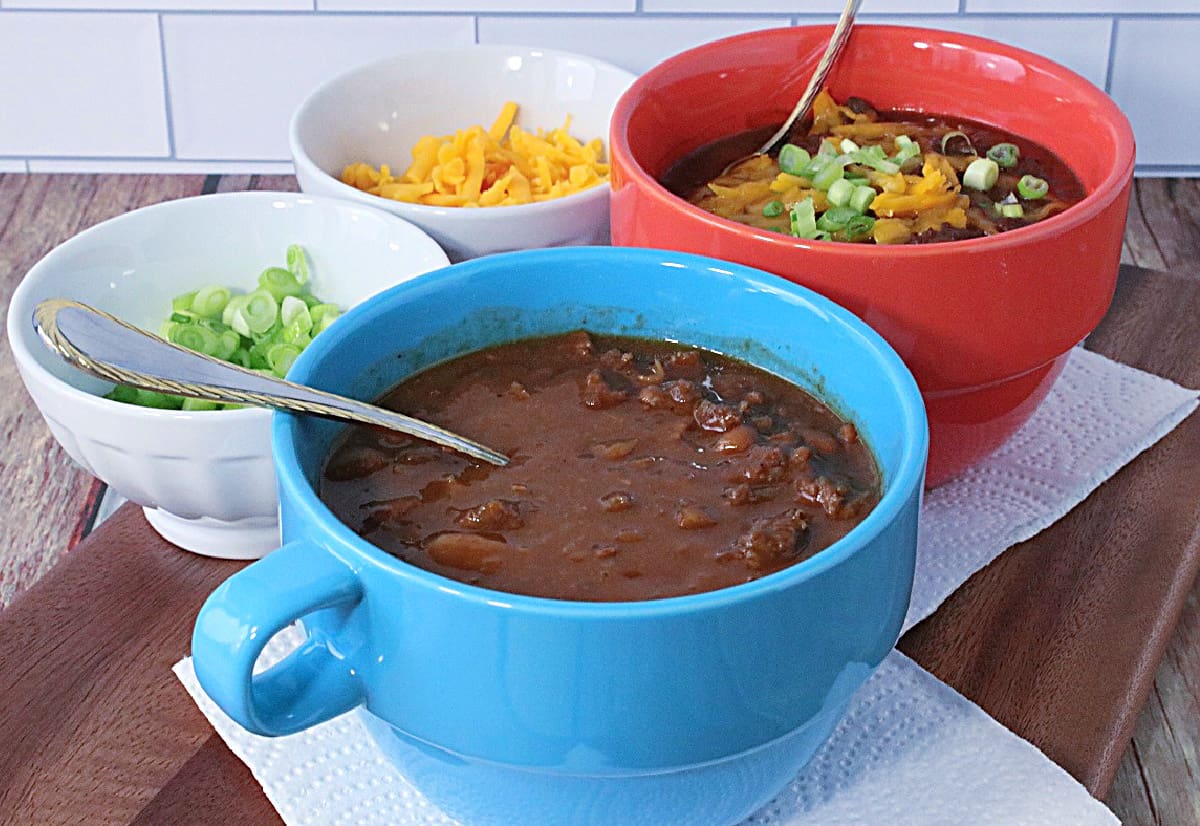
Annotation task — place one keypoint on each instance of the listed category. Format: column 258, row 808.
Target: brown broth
column 639, row 470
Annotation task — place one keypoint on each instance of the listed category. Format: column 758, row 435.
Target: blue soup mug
column 512, row 709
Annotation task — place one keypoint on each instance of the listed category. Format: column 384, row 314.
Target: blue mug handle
column 312, row 684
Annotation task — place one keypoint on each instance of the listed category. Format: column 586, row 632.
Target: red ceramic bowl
column 985, row 324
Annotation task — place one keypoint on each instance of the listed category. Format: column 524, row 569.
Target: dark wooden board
column 1059, row 639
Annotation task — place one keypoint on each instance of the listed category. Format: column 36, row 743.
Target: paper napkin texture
column 910, row 750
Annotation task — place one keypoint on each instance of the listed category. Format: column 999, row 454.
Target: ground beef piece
column 579, row 345
column 716, row 416
column 599, row 394
column 677, row 395
column 830, row 496
column 618, row 360
column 496, row 515
column 772, row 541
column 764, row 464
column 747, row 494
column 686, row 364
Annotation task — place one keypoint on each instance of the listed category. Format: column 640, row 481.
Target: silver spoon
column 105, row 346
column 841, row 33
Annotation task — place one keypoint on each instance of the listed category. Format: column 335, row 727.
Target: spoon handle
column 105, row 346
column 841, row 33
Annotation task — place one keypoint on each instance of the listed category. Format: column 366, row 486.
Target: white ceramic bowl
column 205, row 479
column 376, row 113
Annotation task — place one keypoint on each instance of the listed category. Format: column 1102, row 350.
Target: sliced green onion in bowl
column 860, row 226
column 1005, row 154
column 803, row 218
column 981, row 174
column 840, row 192
column 1031, row 188
column 264, row 330
column 792, row 158
column 772, row 209
column 1011, row 210
column 861, row 198
column 836, row 218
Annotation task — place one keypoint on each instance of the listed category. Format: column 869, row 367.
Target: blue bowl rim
column 907, row 481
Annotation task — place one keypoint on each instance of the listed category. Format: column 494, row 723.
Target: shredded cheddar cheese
column 500, row 166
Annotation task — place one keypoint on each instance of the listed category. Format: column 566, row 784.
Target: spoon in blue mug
column 105, row 346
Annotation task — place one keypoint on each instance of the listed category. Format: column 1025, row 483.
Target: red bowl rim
column 1093, row 203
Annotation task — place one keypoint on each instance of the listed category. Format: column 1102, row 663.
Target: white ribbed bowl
column 376, row 113
column 205, row 479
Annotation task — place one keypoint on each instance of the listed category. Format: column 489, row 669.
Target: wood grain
column 36, row 477
column 110, row 705
column 1158, row 780
column 158, row 762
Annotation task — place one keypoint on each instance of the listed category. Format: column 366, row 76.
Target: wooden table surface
column 1060, row 647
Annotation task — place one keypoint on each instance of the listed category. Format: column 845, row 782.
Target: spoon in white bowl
column 105, row 346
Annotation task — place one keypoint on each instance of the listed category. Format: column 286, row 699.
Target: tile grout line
column 1114, row 33
column 167, row 113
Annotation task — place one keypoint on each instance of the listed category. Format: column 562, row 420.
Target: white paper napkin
column 910, row 750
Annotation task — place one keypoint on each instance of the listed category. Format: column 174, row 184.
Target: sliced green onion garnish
column 858, row 227
column 803, row 218
column 163, row 401
column 861, row 198
column 260, row 311
column 210, row 301
column 906, row 148
column 835, row 218
column 1011, row 210
column 280, row 358
column 264, row 330
column 297, row 262
column 280, row 282
column 1005, row 154
column 183, row 302
column 829, row 173
column 957, row 135
column 827, row 149
column 847, row 146
column 792, row 158
column 981, row 174
column 772, row 209
column 874, row 157
column 195, row 337
column 1031, row 188
column 840, row 192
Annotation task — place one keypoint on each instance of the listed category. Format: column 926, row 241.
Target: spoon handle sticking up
column 105, row 346
column 841, row 33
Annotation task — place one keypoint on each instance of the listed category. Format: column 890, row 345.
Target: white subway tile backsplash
column 1079, row 43
column 799, row 7
column 633, row 43
column 234, row 80
column 81, row 84
column 163, row 5
column 1155, row 77
column 1083, row 6
column 481, row 6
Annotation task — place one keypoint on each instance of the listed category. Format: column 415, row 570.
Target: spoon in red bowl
column 841, row 33
column 105, row 346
